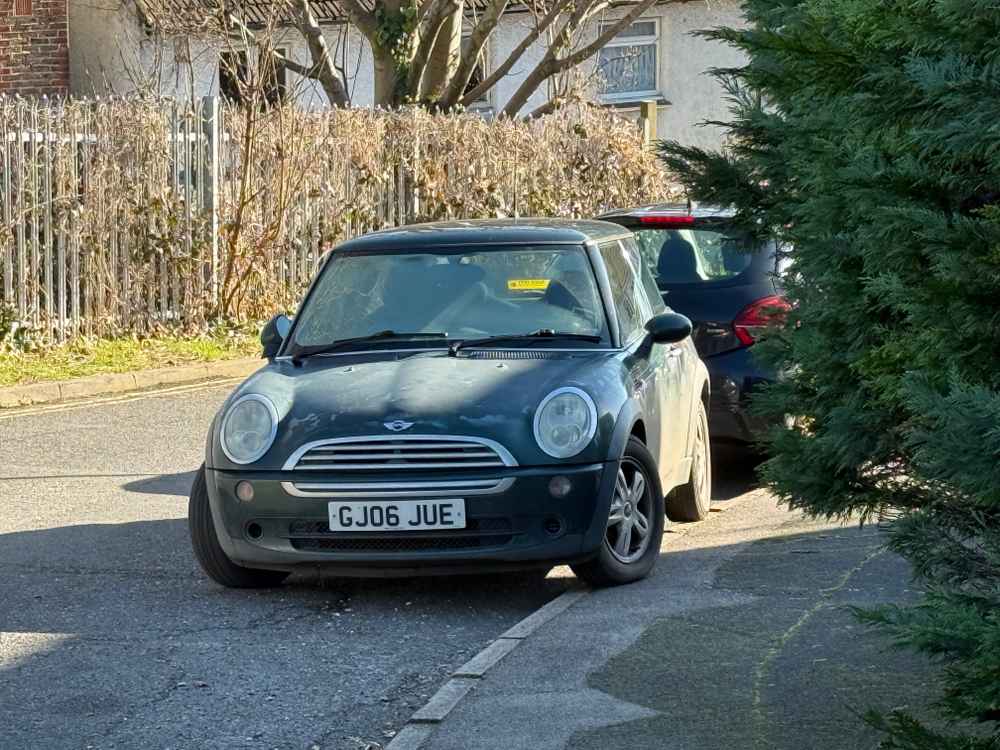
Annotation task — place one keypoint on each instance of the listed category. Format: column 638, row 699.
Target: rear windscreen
column 694, row 256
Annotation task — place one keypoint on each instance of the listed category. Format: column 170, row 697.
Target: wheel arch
column 629, row 423
column 639, row 430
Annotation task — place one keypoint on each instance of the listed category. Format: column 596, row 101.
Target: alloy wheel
column 701, row 464
column 629, row 520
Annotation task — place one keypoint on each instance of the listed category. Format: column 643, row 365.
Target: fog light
column 244, row 491
column 560, row 486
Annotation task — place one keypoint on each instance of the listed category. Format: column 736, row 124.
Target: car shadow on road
column 147, row 568
column 163, row 484
column 111, row 630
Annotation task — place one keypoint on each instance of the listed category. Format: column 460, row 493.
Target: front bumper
column 519, row 525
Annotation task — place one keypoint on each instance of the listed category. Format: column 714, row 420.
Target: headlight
column 248, row 429
column 565, row 422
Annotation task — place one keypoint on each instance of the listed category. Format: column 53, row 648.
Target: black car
column 456, row 396
column 710, row 270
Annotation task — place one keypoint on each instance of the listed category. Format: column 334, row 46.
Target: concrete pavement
column 740, row 639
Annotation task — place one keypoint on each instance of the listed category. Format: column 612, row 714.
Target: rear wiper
column 539, row 335
column 312, row 351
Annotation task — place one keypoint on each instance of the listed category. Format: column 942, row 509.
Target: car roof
column 486, row 232
column 671, row 209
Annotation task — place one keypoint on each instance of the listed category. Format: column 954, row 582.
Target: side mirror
column 274, row 332
column 668, row 328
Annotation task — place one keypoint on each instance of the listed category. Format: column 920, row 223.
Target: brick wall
column 34, row 47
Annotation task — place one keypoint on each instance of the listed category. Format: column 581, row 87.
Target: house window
column 628, row 65
column 238, row 81
column 478, row 75
column 22, row 8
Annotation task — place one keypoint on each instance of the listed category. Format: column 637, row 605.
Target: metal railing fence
column 126, row 216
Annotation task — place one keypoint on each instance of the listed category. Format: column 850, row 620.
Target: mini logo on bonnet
column 397, row 425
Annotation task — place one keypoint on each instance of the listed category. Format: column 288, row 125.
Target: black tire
column 209, row 552
column 693, row 501
column 607, row 568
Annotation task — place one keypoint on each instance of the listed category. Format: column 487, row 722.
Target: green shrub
column 866, row 136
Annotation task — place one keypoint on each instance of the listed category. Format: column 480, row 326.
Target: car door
column 632, row 310
column 651, row 368
column 675, row 363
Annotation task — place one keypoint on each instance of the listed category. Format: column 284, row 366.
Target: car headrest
column 677, row 262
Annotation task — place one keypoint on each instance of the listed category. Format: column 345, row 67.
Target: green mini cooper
column 458, row 397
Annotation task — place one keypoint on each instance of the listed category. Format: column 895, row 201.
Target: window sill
column 633, row 103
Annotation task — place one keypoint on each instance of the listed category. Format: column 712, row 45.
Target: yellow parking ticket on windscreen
column 527, row 285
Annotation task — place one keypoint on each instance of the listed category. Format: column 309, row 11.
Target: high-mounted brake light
column 680, row 220
column 757, row 316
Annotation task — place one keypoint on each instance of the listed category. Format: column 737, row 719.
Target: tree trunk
column 385, row 79
column 444, row 57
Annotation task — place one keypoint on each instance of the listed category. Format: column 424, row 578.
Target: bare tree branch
column 322, row 68
column 560, row 100
column 481, row 32
column 548, row 65
column 363, row 19
column 551, row 64
column 501, row 70
column 322, row 61
column 610, row 31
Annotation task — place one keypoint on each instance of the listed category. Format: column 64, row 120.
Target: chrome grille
column 399, row 453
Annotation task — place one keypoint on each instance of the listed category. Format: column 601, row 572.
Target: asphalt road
column 110, row 636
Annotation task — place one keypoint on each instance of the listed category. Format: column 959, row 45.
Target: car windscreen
column 464, row 293
column 703, row 255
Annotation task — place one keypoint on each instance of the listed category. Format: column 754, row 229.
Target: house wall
column 692, row 96
column 102, row 41
column 34, row 53
column 111, row 53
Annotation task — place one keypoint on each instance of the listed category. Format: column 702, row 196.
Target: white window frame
column 634, row 41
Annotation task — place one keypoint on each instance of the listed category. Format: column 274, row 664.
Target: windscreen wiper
column 542, row 334
column 312, row 351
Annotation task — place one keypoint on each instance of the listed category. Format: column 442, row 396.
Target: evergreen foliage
column 866, row 136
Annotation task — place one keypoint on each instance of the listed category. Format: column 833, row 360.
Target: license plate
column 397, row 515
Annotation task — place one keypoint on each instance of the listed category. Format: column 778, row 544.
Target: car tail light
column 680, row 220
column 759, row 315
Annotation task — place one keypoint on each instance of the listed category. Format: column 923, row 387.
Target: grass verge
column 96, row 356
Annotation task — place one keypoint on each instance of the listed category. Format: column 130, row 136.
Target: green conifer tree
column 866, row 137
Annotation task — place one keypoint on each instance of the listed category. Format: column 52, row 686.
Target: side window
column 653, row 294
column 625, row 286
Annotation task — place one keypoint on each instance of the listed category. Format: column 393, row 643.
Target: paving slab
column 742, row 638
